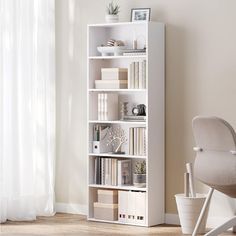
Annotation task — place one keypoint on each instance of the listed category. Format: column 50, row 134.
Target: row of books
column 111, row 171
column 107, row 106
column 137, row 141
column 137, row 75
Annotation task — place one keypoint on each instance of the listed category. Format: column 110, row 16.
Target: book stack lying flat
column 113, row 78
column 107, row 106
column 111, row 171
column 137, row 141
column 137, row 75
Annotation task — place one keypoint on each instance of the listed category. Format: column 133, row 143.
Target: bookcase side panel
column 156, row 125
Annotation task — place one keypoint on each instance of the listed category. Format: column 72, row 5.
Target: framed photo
column 140, row 14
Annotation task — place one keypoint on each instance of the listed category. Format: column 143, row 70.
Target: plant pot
column 139, row 180
column 112, row 18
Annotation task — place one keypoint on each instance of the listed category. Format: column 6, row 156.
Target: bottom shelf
column 115, row 222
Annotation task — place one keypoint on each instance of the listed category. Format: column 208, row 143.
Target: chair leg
column 203, row 211
column 220, row 229
column 234, row 229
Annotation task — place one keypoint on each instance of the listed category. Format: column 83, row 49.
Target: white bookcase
column 152, row 34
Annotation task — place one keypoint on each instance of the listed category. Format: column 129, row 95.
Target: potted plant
column 139, row 176
column 112, row 13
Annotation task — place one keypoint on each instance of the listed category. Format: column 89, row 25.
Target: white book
column 141, row 142
column 135, row 142
column 136, row 75
column 105, row 112
column 99, row 106
column 112, row 106
column 131, row 141
column 144, row 74
column 122, row 206
column 131, row 207
column 129, row 76
column 132, row 85
column 140, row 207
column 144, row 141
column 140, row 77
column 106, row 172
column 102, row 106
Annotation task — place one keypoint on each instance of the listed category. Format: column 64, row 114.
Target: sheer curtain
column 27, row 109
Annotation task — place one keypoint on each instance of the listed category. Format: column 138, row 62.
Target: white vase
column 112, row 18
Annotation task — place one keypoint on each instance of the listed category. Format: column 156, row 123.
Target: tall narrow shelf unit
column 152, row 35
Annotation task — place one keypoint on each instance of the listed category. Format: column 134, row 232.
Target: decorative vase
column 139, row 180
column 112, row 18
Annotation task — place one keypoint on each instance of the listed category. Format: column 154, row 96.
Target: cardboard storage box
column 111, row 84
column 114, row 73
column 108, row 196
column 104, row 211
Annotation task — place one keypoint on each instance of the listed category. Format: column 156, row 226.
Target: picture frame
column 140, row 14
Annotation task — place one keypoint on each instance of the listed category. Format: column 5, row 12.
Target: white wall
column 200, row 79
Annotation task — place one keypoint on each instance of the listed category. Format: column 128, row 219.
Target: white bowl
column 111, row 51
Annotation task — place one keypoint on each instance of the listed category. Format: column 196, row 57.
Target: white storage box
column 104, row 211
column 108, row 196
column 111, row 84
column 114, row 73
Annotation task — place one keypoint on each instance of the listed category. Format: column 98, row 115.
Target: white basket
column 189, row 210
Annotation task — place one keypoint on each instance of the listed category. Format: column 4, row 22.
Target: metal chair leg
column 203, row 211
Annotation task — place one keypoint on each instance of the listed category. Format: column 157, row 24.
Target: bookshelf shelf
column 117, row 155
column 114, row 222
column 130, row 188
column 147, row 80
column 117, row 122
column 118, row 90
column 117, row 57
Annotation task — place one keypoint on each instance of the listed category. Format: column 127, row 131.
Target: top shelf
column 116, row 57
column 124, row 24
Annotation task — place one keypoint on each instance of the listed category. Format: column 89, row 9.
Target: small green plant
column 113, row 9
column 140, row 167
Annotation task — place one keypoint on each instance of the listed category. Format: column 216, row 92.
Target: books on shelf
column 111, row 171
column 137, row 141
column 107, row 106
column 137, row 75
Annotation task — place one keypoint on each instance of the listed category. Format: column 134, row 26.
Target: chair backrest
column 215, row 163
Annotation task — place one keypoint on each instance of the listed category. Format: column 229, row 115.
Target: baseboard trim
column 212, row 222
column 172, row 219
column 71, row 208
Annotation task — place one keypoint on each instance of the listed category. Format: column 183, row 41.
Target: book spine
column 136, row 74
column 129, row 76
column 105, row 106
column 135, row 141
column 132, row 76
column 99, row 106
column 119, row 173
column 131, row 141
column 144, row 74
column 140, row 64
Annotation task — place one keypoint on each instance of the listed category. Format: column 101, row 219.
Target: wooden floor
column 76, row 225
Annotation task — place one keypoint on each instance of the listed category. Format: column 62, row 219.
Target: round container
column 139, row 180
column 112, row 18
column 189, row 209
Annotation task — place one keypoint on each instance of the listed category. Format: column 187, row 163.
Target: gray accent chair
column 215, row 163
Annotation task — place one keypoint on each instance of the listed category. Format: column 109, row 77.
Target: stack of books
column 112, row 78
column 137, row 141
column 137, row 75
column 111, row 171
column 107, row 106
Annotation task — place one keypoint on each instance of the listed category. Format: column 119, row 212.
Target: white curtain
column 27, row 109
